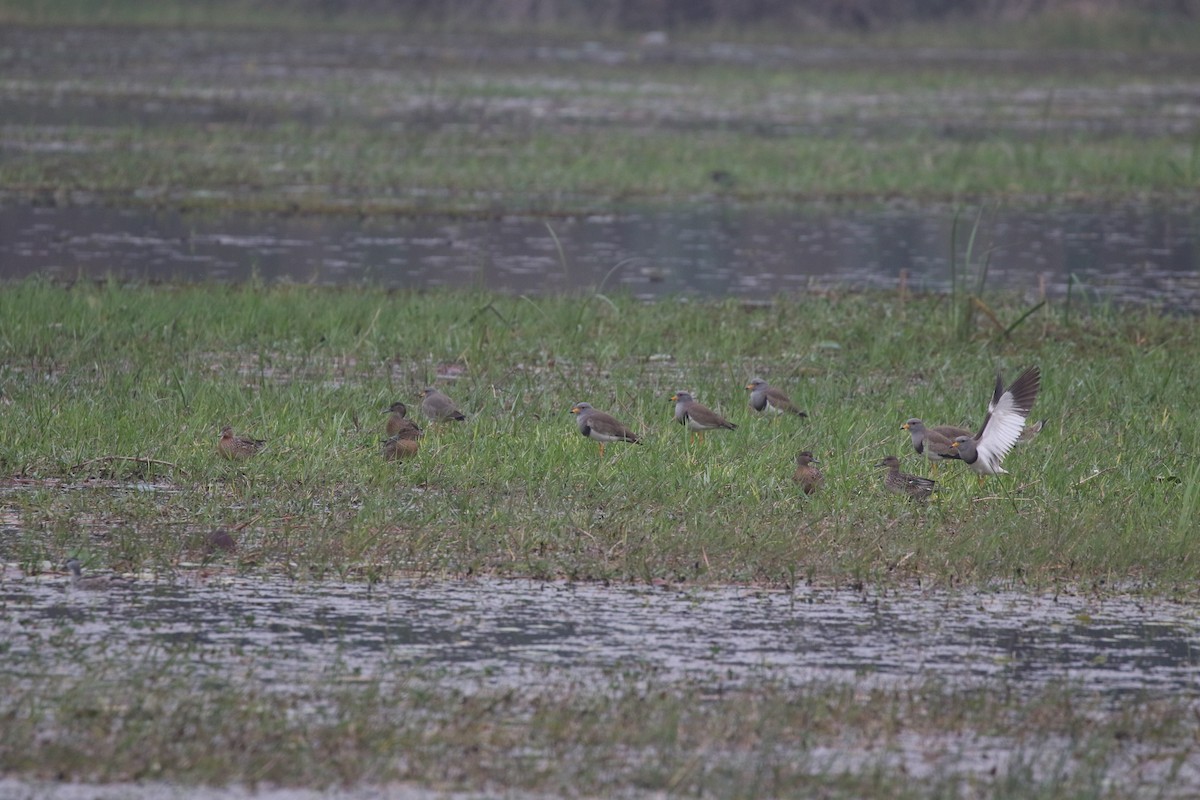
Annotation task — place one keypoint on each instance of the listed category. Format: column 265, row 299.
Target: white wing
column 1005, row 420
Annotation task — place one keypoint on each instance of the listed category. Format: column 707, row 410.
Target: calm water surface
column 524, row 634
column 1129, row 254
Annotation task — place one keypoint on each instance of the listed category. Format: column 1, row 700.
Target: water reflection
column 1128, row 254
column 519, row 633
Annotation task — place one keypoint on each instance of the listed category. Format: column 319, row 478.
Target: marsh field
column 511, row 612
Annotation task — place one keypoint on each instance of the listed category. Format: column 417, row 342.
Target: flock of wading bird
column 1003, row 427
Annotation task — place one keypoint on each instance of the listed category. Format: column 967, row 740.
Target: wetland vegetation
column 112, row 397
column 405, row 121
column 97, row 377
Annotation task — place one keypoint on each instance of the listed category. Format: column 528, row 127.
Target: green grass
column 93, row 372
column 346, row 171
column 302, row 122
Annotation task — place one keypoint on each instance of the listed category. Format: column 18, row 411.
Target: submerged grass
column 569, row 172
column 157, row 722
column 107, row 386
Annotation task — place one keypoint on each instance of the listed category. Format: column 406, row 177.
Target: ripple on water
column 1131, row 254
column 522, row 633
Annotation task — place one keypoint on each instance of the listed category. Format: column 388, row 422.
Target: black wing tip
column 1025, row 388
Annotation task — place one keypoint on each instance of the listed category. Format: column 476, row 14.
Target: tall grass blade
column 562, row 256
column 1017, row 323
column 1185, row 526
column 964, row 308
column 954, row 267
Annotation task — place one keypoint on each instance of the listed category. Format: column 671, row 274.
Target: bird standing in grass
column 601, row 427
column 696, row 417
column 402, row 432
column 916, row 487
column 765, row 398
column 808, row 476
column 236, row 447
column 1002, row 427
column 399, row 423
column 933, row 443
column 399, row 446
column 438, row 407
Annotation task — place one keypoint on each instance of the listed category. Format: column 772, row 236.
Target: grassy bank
column 94, row 378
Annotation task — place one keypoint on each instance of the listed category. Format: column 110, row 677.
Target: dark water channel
column 527, row 634
column 1128, row 254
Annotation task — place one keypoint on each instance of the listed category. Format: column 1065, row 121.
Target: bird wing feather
column 1006, row 417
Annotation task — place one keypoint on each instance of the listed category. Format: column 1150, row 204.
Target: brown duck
column 399, row 423
column 809, row 477
column 236, row 447
column 916, row 487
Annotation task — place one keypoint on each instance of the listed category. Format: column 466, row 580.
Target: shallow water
column 96, row 78
column 1128, row 254
column 527, row 634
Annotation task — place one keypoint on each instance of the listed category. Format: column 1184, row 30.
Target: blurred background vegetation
column 780, row 17
column 794, row 14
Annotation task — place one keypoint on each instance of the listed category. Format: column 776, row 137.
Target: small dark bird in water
column 808, row 476
column 219, row 540
column 92, row 582
column 916, row 487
